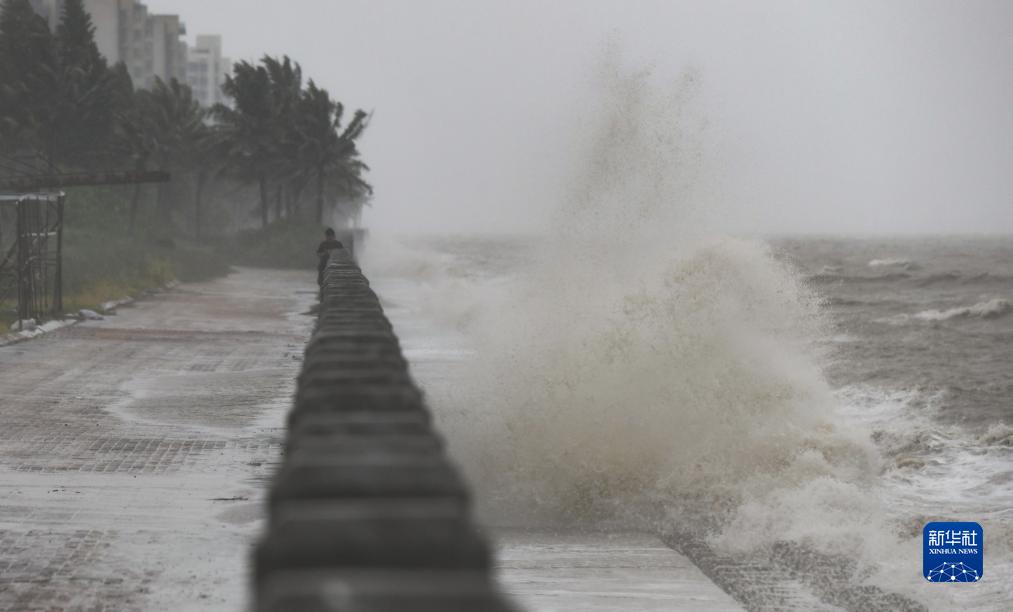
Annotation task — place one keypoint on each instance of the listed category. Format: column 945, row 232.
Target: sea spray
column 649, row 364
column 639, row 367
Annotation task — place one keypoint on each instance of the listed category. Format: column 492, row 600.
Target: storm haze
column 506, row 305
column 826, row 117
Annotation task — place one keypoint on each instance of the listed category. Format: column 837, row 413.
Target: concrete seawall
column 366, row 513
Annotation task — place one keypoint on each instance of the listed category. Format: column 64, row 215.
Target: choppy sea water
column 828, row 395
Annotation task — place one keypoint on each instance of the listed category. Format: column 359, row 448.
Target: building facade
column 207, row 69
column 151, row 46
column 168, row 50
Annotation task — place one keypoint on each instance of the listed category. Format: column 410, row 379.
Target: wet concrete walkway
column 133, row 451
column 552, row 571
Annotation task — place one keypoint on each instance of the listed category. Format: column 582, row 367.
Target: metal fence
column 31, row 247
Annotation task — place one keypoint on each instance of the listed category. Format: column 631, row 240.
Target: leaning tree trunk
column 167, row 201
column 278, row 197
column 320, row 194
column 263, row 201
column 135, row 199
column 163, row 206
column 289, row 206
column 197, row 204
column 135, row 202
column 296, row 200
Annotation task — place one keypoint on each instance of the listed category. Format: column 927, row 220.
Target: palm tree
column 327, row 152
column 282, row 135
column 286, row 90
column 57, row 93
column 264, row 100
column 29, row 79
column 208, row 155
column 247, row 126
column 164, row 128
column 88, row 89
column 134, row 141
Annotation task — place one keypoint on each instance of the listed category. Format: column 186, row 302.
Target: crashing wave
column 991, row 309
column 998, row 435
column 673, row 372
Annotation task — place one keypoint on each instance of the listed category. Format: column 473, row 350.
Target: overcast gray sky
column 840, row 117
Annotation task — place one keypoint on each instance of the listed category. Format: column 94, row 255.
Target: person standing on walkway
column 324, row 252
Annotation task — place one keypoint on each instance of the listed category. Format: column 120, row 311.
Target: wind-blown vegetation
column 282, row 140
column 283, row 153
column 285, row 136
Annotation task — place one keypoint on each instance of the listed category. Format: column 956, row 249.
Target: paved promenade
column 552, row 571
column 134, row 454
column 134, row 451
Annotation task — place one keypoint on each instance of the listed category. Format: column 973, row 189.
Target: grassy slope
column 104, row 261
column 99, row 267
column 284, row 244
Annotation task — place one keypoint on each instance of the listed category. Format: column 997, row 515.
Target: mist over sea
column 798, row 408
column 835, row 393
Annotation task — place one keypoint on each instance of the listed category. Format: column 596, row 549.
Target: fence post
column 22, row 302
column 58, row 280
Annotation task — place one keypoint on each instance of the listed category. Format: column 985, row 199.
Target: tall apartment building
column 151, row 46
column 105, row 16
column 207, row 69
column 168, row 50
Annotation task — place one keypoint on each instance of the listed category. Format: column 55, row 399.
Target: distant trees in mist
column 286, row 136
column 284, row 149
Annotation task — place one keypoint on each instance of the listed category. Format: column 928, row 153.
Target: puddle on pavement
column 240, row 513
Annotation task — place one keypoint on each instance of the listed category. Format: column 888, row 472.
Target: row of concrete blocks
column 366, row 514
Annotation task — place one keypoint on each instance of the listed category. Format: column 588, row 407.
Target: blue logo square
column 953, row 552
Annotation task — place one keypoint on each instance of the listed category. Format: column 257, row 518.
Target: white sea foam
column 890, row 262
column 897, row 319
column 934, row 471
column 647, row 359
column 989, row 309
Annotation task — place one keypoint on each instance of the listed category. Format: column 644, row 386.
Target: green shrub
column 285, row 244
column 99, row 267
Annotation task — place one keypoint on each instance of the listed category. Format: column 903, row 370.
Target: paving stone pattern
column 366, row 514
column 135, row 451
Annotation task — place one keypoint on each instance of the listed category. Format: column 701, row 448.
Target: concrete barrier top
column 366, row 512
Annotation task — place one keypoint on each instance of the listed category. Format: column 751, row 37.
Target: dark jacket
column 323, row 253
column 325, row 249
